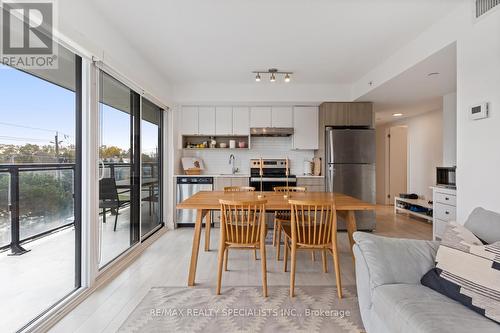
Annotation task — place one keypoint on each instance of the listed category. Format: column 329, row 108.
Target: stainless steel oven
column 274, row 173
column 269, row 183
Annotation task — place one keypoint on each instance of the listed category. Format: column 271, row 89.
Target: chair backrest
column 239, row 189
column 107, row 189
column 313, row 222
column 243, row 222
column 289, row 189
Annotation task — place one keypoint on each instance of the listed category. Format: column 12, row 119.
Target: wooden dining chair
column 243, row 226
column 313, row 227
column 283, row 217
column 239, row 189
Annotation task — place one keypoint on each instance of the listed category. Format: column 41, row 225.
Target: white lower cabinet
column 444, row 210
column 220, row 183
column 312, row 184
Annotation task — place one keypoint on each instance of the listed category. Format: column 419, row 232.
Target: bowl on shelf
column 222, row 145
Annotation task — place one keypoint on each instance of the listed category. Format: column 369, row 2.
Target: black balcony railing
column 38, row 199
column 35, row 200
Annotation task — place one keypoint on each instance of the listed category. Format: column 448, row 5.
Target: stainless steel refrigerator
column 350, row 168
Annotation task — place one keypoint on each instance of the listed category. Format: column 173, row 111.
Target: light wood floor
column 165, row 263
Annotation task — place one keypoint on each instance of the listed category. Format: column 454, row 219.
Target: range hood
column 271, row 131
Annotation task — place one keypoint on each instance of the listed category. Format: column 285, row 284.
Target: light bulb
column 257, row 77
column 273, row 78
column 287, row 78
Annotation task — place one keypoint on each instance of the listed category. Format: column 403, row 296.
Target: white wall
column 264, row 92
column 450, row 129
column 425, row 142
column 435, row 38
column 478, row 80
column 83, row 26
column 478, row 145
column 380, row 161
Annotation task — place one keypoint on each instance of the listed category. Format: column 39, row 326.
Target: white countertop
column 236, row 175
column 309, row 176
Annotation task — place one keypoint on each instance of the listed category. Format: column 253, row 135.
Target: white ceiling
column 322, row 41
column 414, row 91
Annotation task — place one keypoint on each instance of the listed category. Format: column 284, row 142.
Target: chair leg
column 323, row 258
column 274, row 232
column 292, row 270
column 337, row 269
column 104, row 215
column 264, row 268
column 220, row 258
column 116, row 218
column 226, row 254
column 285, row 255
column 313, row 256
column 208, row 226
column 255, row 254
column 278, row 241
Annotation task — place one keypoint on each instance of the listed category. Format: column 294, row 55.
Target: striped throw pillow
column 467, row 271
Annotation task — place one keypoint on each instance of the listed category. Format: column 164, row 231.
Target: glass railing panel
column 45, row 200
column 5, row 227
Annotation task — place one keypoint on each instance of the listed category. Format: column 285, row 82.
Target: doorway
column 397, row 162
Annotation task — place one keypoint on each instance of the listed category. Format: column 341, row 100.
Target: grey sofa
column 391, row 298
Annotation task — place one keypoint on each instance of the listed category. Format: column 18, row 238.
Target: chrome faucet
column 231, row 162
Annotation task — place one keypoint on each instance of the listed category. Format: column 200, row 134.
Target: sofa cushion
column 467, row 271
column 485, row 224
column 416, row 308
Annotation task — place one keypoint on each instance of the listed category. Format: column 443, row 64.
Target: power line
column 34, row 128
column 13, row 138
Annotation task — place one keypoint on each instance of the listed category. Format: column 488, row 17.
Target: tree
column 112, row 152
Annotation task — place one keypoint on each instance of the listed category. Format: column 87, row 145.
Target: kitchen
column 225, row 140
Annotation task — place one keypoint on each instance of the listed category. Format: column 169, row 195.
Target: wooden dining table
column 206, row 201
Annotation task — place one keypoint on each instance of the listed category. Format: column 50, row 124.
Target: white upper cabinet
column 260, row 116
column 206, row 120
column 282, row 116
column 189, row 118
column 223, row 120
column 305, row 126
column 241, row 120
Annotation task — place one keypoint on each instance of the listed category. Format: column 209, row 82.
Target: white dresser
column 444, row 209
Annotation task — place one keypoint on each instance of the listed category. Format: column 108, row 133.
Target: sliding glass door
column 119, row 108
column 40, row 188
column 151, row 138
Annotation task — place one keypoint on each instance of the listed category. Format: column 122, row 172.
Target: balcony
column 37, row 234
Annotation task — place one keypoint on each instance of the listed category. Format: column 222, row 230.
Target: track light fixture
column 273, row 72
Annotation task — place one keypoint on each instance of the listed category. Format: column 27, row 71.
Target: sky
column 33, row 110
column 26, row 101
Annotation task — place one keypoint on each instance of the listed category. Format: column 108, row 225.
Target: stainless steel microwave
column 446, row 176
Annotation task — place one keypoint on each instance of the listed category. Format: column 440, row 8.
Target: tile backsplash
column 217, row 161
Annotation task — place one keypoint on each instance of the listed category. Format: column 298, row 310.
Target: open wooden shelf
column 413, row 202
column 197, row 139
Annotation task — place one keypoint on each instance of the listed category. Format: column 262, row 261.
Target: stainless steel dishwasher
column 187, row 187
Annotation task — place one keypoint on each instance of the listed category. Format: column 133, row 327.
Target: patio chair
column 108, row 198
